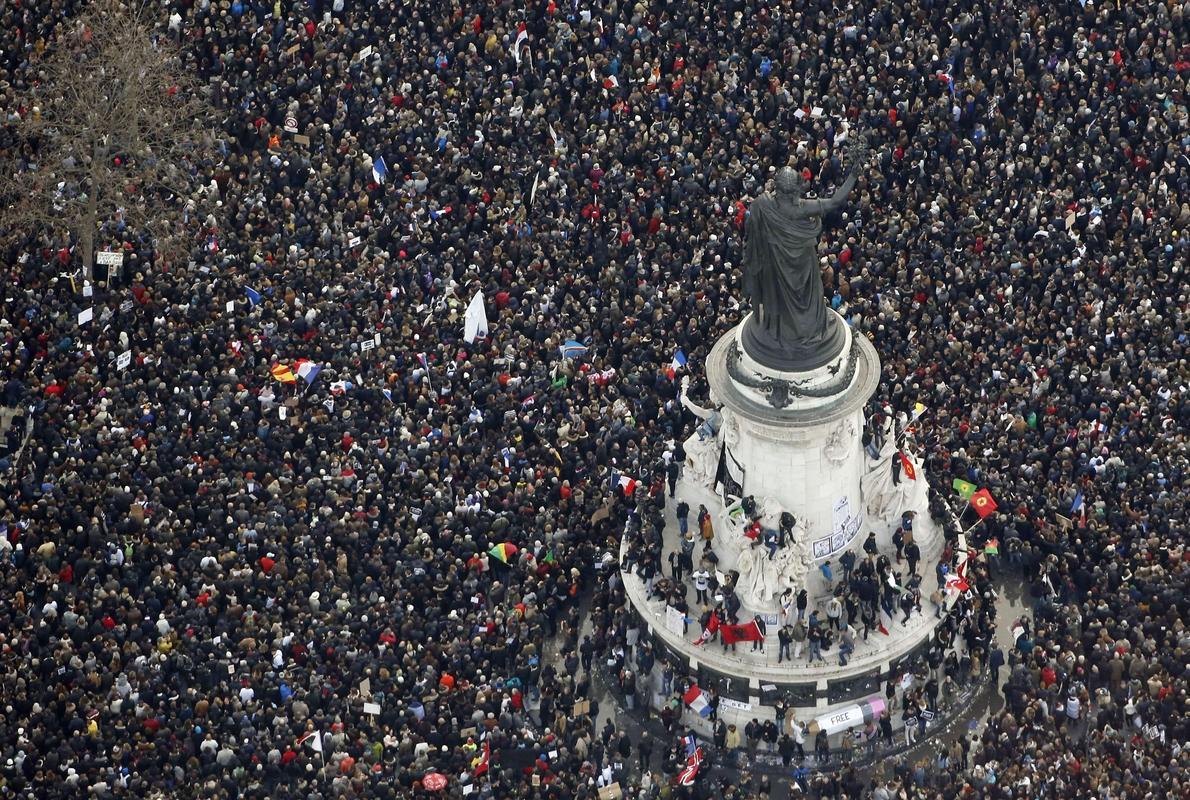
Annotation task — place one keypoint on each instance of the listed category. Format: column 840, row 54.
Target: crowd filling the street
column 332, row 503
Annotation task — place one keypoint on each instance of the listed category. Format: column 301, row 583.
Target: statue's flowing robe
column 781, row 273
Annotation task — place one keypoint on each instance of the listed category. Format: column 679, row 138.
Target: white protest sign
column 86, row 315
column 123, row 360
column 366, row 345
column 371, row 708
column 354, row 241
column 110, row 258
column 291, row 125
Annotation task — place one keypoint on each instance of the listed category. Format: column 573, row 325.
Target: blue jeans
column 683, row 525
column 816, row 652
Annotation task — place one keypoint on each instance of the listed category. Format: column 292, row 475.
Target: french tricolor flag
column 628, row 485
column 679, row 361
column 697, row 701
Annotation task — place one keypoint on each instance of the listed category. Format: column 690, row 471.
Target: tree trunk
column 87, row 235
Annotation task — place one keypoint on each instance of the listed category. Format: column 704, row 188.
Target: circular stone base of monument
column 793, row 442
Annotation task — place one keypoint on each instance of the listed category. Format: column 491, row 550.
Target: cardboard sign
column 611, row 792
column 301, row 139
column 290, row 51
column 123, row 360
column 582, row 708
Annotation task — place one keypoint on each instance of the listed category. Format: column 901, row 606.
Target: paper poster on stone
column 674, row 620
column 822, row 548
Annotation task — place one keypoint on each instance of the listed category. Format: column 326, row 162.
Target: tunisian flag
column 746, row 632
column 708, row 631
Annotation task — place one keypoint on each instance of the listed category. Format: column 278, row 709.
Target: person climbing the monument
column 770, row 541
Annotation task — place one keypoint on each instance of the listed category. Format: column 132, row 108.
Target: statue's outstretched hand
column 858, row 154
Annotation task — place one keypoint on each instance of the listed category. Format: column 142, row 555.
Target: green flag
column 964, row 488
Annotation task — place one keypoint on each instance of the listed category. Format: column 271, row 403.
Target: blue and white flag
column 253, row 295
column 573, row 349
column 1078, row 502
column 379, row 170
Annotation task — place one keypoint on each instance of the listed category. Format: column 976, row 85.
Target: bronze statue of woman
column 790, row 329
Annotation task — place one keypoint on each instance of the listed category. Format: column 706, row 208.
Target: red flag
column 485, row 760
column 907, row 466
column 708, row 631
column 686, row 776
column 747, row 632
column 983, row 503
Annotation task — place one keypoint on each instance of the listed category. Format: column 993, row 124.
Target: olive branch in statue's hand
column 858, row 154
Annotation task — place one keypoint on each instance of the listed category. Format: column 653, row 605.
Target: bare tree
column 114, row 147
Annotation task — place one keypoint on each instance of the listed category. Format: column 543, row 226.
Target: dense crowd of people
column 218, row 584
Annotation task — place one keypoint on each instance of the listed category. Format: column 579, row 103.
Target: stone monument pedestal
column 793, row 443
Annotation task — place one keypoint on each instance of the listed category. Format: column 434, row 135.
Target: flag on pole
column 253, row 295
column 918, row 410
column 522, row 38
column 533, row 190
column 388, row 395
column 341, row 387
column 983, row 503
column 475, row 321
column 907, row 466
column 1077, row 505
column 697, row 701
column 314, row 739
column 283, row 373
column 679, row 361
column 379, row 170
column 964, row 488
column 628, row 485
column 307, row 370
column 992, row 547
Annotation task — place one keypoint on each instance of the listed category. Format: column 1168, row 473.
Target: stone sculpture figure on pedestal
column 790, row 329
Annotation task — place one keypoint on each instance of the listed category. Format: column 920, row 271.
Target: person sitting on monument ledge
column 788, row 521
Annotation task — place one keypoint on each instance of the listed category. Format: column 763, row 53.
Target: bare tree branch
column 119, row 132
